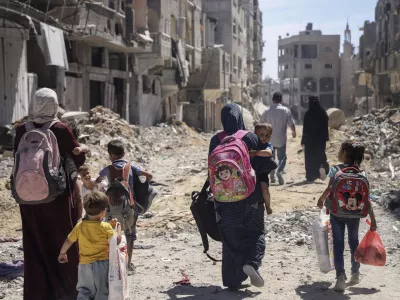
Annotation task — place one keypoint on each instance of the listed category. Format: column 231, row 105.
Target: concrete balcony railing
column 162, row 45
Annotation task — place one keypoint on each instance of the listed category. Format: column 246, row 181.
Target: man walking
column 280, row 118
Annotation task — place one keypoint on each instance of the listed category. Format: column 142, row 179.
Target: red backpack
column 350, row 193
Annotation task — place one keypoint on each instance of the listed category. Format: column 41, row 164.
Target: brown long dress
column 45, row 228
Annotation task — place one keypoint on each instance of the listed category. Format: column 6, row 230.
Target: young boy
column 351, row 154
column 116, row 151
column 264, row 132
column 93, row 236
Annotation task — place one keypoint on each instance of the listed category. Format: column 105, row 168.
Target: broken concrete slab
column 337, row 118
column 74, row 115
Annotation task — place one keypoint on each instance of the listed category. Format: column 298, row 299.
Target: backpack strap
column 221, row 135
column 206, row 185
column 239, row 134
column 46, row 126
column 29, row 126
column 126, row 172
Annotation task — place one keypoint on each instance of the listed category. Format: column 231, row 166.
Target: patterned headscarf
column 232, row 118
column 45, row 106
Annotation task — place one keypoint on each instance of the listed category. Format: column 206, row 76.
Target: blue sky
column 291, row 16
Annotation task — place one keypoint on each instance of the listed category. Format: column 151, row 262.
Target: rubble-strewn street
column 168, row 241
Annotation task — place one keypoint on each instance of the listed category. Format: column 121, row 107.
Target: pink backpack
column 232, row 178
column 38, row 175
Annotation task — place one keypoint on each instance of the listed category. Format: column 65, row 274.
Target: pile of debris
column 380, row 132
column 102, row 125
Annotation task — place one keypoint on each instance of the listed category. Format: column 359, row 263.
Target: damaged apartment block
column 82, row 49
column 147, row 60
column 309, row 64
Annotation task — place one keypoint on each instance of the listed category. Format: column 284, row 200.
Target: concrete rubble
column 380, row 132
column 102, row 125
column 293, row 228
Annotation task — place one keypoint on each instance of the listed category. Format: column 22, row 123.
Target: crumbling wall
column 193, row 115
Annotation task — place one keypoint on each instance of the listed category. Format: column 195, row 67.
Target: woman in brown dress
column 45, row 226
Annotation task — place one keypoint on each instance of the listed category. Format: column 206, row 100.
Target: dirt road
column 289, row 268
column 290, row 271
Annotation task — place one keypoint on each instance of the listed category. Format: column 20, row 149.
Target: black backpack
column 203, row 211
column 144, row 194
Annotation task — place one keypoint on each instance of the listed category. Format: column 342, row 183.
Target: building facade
column 349, row 68
column 309, row 64
column 387, row 65
column 143, row 59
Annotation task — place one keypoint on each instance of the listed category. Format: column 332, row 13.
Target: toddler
column 351, row 154
column 264, row 132
column 93, row 237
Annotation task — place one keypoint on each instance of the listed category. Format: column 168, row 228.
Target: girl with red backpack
column 347, row 199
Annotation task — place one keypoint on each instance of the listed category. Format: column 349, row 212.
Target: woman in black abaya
column 241, row 224
column 315, row 136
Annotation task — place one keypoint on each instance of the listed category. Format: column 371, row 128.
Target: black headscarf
column 232, row 118
column 315, row 127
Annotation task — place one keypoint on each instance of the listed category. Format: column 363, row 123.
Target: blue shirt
column 267, row 146
column 119, row 164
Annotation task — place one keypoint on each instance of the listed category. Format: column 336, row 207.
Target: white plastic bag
column 117, row 273
column 323, row 239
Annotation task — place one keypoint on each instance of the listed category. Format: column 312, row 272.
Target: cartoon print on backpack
column 228, row 183
column 353, row 201
column 350, row 194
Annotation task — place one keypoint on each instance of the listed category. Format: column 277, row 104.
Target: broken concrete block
column 74, row 115
column 336, row 118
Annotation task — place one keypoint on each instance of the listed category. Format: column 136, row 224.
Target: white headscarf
column 45, row 106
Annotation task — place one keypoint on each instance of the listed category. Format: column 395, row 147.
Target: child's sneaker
column 281, row 180
column 255, row 277
column 355, row 279
column 322, row 174
column 340, row 284
column 272, row 178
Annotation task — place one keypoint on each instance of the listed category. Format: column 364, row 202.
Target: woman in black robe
column 241, row 223
column 315, row 136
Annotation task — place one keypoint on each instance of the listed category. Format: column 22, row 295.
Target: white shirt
column 280, row 118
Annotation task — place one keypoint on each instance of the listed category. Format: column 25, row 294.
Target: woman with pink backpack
column 41, row 187
column 238, row 199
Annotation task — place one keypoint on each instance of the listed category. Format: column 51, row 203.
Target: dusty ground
column 290, row 270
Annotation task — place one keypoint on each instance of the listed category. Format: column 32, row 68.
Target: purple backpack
column 232, row 177
column 38, row 175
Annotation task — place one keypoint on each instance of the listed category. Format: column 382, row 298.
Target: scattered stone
column 171, row 226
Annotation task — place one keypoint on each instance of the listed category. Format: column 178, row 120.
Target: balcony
column 161, row 45
column 102, row 26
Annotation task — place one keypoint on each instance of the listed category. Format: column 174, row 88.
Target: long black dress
column 241, row 223
column 315, row 136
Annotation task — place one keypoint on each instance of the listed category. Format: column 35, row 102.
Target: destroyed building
column 310, row 63
column 83, row 50
column 379, row 54
column 147, row 60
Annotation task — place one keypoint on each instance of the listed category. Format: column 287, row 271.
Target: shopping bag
column 371, row 250
column 117, row 273
column 323, row 239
